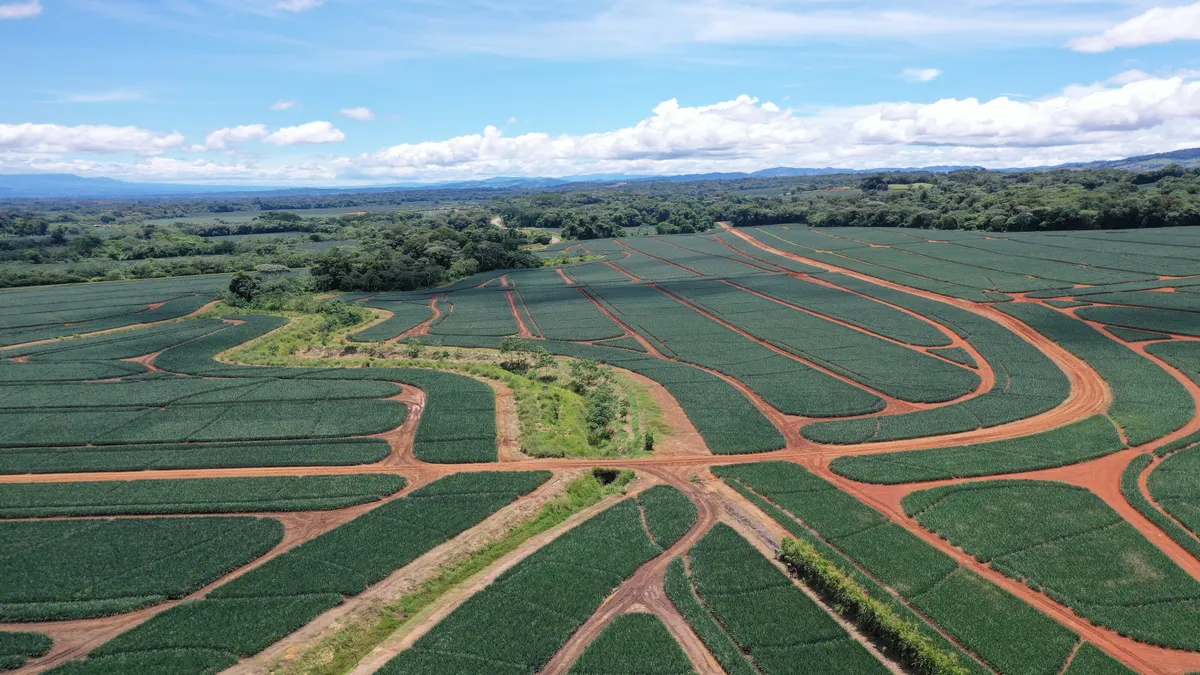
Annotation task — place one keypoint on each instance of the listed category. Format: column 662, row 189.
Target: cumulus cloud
column 282, row 105
column 1158, row 25
column 20, row 10
column 298, row 5
column 920, row 74
column 1129, row 114
column 229, row 137
column 359, row 113
column 306, row 134
column 86, row 138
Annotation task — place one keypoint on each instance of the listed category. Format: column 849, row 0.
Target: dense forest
column 417, row 238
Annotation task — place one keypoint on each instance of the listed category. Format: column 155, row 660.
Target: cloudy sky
column 346, row 92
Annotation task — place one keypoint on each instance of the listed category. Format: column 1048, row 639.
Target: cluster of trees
column 405, row 251
column 595, row 214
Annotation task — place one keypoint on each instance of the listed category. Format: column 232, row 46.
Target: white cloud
column 224, row 139
column 298, row 5
column 282, row 105
column 920, row 74
column 20, row 10
column 359, row 113
column 306, row 134
column 1158, row 25
column 58, row 139
column 1130, row 114
column 512, row 120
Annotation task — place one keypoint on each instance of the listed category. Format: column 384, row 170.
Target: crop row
column 1066, row 542
column 999, row 629
column 53, row 570
column 787, row 384
column 1008, row 263
column 678, row 250
column 852, row 308
column 197, row 495
column 1132, row 335
column 1184, row 302
column 777, row 626
column 1027, row 381
column 1090, row 438
column 565, row 313
column 327, row 452
column 522, row 619
column 1071, row 251
column 119, row 345
column 1148, row 403
column 1132, row 491
column 475, row 312
column 1173, row 485
column 257, row 609
column 897, row 371
column 16, row 648
column 1154, row 320
column 187, row 391
column 405, row 317
column 633, row 644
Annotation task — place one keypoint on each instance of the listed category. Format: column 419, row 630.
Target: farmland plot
column 678, row 330
column 998, row 628
column 406, row 315
column 892, row 369
column 1147, row 402
column 200, row 495
column 476, row 312
column 1027, row 381
column 1173, row 485
column 774, row 623
column 543, row 599
column 55, row 570
column 1154, row 320
column 1049, row 270
column 565, row 313
column 705, row 264
column 633, row 644
column 250, row 613
column 15, row 648
column 1068, row 543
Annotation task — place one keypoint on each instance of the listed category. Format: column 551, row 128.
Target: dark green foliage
column 718, row 642
column 633, row 644
column 1093, row 437
column 483, row 312
column 1067, row 542
column 201, row 495
column 521, row 619
column 330, row 452
column 75, row 569
column 1148, row 403
column 257, row 609
column 1170, row 487
column 995, row 626
column 565, row 313
column 1091, row 660
column 771, row 619
column 16, row 648
column 668, row 512
column 1173, row 485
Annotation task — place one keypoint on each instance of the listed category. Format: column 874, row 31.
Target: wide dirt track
column 683, row 462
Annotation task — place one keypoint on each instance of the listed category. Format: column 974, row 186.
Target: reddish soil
column 622, row 270
column 564, row 276
column 658, row 258
column 198, row 312
column 423, row 327
column 522, row 329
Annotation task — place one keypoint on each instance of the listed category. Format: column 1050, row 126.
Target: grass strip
column 902, row 639
column 340, row 652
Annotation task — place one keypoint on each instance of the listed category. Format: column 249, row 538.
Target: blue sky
column 279, row 92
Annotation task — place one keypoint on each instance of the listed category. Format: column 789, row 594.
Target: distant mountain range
column 62, row 186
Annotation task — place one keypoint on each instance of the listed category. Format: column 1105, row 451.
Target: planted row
column 257, row 609
column 199, row 495
column 995, row 627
